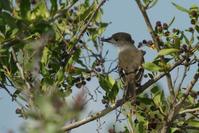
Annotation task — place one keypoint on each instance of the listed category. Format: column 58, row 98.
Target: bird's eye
column 116, row 39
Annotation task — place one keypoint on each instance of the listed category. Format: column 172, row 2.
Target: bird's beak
column 106, row 39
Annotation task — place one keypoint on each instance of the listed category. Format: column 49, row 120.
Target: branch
column 189, row 110
column 119, row 103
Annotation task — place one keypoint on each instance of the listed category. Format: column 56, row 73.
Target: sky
column 124, row 17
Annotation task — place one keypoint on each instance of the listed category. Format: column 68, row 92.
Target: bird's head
column 120, row 39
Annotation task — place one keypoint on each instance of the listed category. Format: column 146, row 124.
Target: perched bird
column 130, row 62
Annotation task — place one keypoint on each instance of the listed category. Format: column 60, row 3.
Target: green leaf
column 155, row 89
column 185, row 38
column 194, row 123
column 167, row 51
column 171, row 22
column 153, row 3
column 53, row 6
column 197, row 28
column 180, row 8
column 151, row 67
column 59, row 76
column 159, row 100
column 5, row 4
column 24, row 8
column 45, row 56
column 106, row 82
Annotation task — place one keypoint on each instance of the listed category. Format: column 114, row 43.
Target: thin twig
column 189, row 110
column 177, row 76
column 182, row 80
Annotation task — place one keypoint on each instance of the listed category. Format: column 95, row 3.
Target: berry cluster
column 81, row 81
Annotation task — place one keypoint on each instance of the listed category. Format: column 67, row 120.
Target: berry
column 165, row 26
column 18, row 111
column 191, row 29
column 167, row 33
column 140, row 44
column 158, row 23
column 159, row 29
column 184, row 47
column 194, row 14
column 150, row 43
column 88, row 79
column 104, row 101
column 144, row 42
column 83, row 82
column 78, row 85
column 193, row 21
column 145, row 75
column 136, row 120
column 98, row 69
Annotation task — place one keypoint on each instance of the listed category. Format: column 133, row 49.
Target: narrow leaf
column 167, row 51
column 151, row 66
column 180, row 8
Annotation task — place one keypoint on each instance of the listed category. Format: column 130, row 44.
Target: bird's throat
column 124, row 48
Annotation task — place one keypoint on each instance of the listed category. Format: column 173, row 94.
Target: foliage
column 50, row 48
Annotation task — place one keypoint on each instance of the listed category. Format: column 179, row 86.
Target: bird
column 130, row 60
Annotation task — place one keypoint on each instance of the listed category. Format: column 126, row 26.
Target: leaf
column 106, row 82
column 180, row 8
column 159, row 100
column 155, row 89
column 152, row 4
column 53, row 6
column 167, row 51
column 24, row 8
column 185, row 38
column 151, row 67
column 194, row 123
column 5, row 4
column 46, row 55
column 170, row 23
column 197, row 28
column 59, row 76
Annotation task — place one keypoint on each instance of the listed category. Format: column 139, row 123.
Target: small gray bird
column 130, row 62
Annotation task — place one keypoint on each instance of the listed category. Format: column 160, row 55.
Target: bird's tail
column 131, row 90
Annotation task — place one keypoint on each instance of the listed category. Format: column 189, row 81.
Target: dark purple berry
column 150, row 42
column 18, row 111
column 144, row 42
column 191, row 29
column 140, row 44
column 88, row 79
column 159, row 29
column 83, row 82
column 158, row 23
column 184, row 46
column 98, row 69
column 194, row 14
column 193, row 21
column 136, row 120
column 167, row 33
column 78, row 85
column 165, row 26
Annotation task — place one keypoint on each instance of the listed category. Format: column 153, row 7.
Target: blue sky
column 124, row 16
